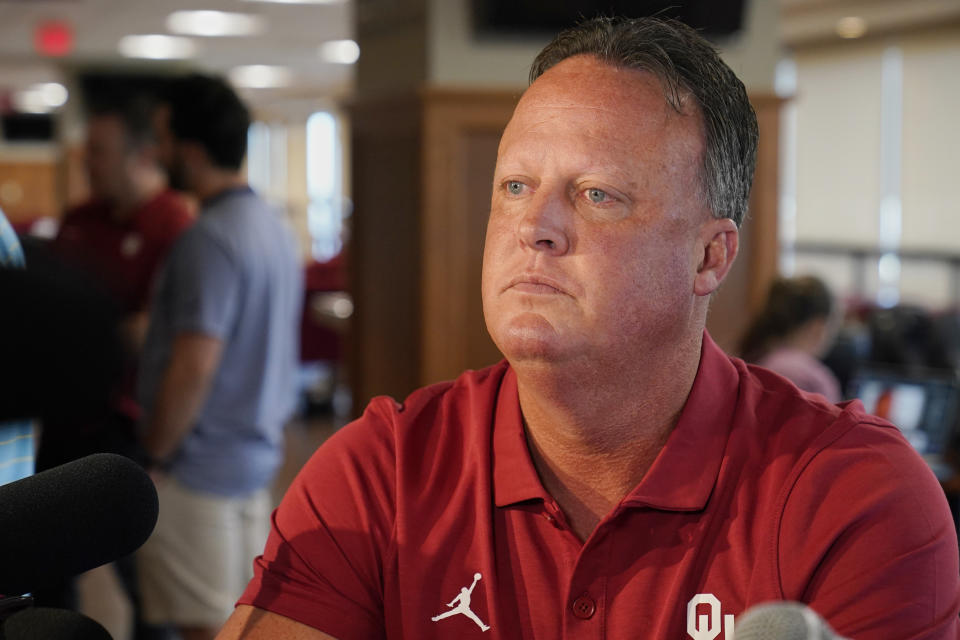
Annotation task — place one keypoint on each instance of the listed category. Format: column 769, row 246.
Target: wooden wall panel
column 29, row 190
column 461, row 133
column 479, row 151
column 76, row 187
column 384, row 251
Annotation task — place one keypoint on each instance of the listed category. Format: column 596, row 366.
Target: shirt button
column 584, row 607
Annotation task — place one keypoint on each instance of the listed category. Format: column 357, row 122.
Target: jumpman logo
column 462, row 602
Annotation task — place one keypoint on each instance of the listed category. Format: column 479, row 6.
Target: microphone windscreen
column 783, row 621
column 72, row 518
column 39, row 623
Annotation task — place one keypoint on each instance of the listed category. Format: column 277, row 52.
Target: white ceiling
column 291, row 37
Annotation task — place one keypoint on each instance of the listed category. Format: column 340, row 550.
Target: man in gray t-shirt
column 218, row 371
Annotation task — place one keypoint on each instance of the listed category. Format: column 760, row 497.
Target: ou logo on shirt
column 706, row 626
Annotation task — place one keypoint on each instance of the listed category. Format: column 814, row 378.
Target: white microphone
column 783, row 621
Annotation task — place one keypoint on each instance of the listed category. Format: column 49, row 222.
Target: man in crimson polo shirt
column 123, row 233
column 617, row 476
column 120, row 237
column 125, row 248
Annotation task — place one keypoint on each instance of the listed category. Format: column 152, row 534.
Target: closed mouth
column 536, row 284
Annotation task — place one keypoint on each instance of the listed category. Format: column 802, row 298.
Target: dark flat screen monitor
column 924, row 406
column 714, row 18
column 27, row 127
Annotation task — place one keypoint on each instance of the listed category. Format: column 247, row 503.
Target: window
column 867, row 177
column 325, row 207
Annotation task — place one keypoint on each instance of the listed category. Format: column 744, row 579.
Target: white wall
column 931, row 140
column 754, row 53
column 863, row 137
column 838, row 145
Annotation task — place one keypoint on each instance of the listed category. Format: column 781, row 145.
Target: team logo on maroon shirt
column 131, row 245
column 461, row 605
column 703, row 618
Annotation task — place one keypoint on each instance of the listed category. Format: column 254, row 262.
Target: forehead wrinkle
column 589, row 82
column 548, row 108
column 604, row 89
column 612, row 105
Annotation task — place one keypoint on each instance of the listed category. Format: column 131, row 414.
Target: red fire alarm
column 53, row 38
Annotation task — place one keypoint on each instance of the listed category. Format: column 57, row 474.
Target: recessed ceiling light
column 53, row 93
column 340, row 51
column 40, row 98
column 260, row 76
column 214, row 23
column 851, row 27
column 157, row 47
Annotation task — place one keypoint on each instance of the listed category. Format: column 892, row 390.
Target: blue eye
column 515, row 187
column 597, row 195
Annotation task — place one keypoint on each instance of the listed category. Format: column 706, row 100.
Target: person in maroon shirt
column 125, row 230
column 122, row 234
column 617, row 476
column 119, row 239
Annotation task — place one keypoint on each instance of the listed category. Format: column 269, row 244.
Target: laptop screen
column 924, row 407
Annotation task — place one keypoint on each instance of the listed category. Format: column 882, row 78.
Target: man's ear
column 720, row 240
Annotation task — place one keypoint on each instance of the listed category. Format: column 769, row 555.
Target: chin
column 530, row 338
column 530, row 352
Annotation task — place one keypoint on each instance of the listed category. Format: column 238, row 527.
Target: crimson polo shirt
column 427, row 520
column 124, row 256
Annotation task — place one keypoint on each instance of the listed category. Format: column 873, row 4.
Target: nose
column 546, row 224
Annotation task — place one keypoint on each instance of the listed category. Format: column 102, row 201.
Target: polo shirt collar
column 226, row 193
column 103, row 211
column 514, row 477
column 145, row 209
column 684, row 473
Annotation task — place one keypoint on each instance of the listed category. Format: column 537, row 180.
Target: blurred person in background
column 119, row 238
column 60, row 348
column 219, row 368
column 792, row 332
column 124, row 232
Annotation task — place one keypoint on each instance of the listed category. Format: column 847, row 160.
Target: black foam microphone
column 783, row 621
column 72, row 518
column 52, row 624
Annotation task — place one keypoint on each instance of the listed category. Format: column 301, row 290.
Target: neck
column 617, row 422
column 142, row 189
column 213, row 182
column 808, row 338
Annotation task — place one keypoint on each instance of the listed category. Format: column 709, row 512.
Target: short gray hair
column 686, row 64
